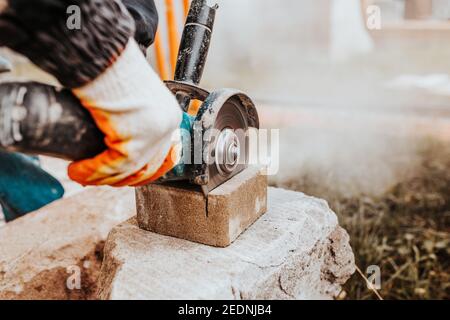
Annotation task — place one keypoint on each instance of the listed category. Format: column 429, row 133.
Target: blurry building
column 411, row 23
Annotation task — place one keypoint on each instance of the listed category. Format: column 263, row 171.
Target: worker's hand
column 139, row 117
column 102, row 64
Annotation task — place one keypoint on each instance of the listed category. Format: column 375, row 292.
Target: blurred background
column 360, row 90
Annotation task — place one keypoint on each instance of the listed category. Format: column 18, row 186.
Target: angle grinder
column 55, row 124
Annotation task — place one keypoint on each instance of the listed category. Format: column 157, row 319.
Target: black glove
column 38, row 30
column 146, row 18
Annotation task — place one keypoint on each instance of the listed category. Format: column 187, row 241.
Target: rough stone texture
column 295, row 251
column 36, row 250
column 185, row 213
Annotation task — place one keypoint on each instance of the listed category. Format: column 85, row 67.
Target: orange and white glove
column 103, row 66
column 140, row 118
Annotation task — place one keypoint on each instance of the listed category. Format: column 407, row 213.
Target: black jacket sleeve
column 146, row 18
column 38, row 29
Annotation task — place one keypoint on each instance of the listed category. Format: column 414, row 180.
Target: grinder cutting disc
column 225, row 120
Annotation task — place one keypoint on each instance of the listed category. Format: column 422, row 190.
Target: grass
column 406, row 231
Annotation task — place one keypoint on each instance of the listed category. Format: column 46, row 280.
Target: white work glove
column 139, row 117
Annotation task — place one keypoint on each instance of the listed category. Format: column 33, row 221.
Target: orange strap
column 160, row 57
column 186, row 6
column 173, row 33
column 173, row 38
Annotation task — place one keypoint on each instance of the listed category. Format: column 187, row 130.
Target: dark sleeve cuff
column 146, row 18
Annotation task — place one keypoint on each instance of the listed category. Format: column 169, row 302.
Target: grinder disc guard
column 228, row 154
column 223, row 121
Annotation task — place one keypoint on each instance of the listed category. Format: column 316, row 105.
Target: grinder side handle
column 194, row 47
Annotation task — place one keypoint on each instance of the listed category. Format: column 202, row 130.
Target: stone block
column 184, row 212
column 295, row 251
